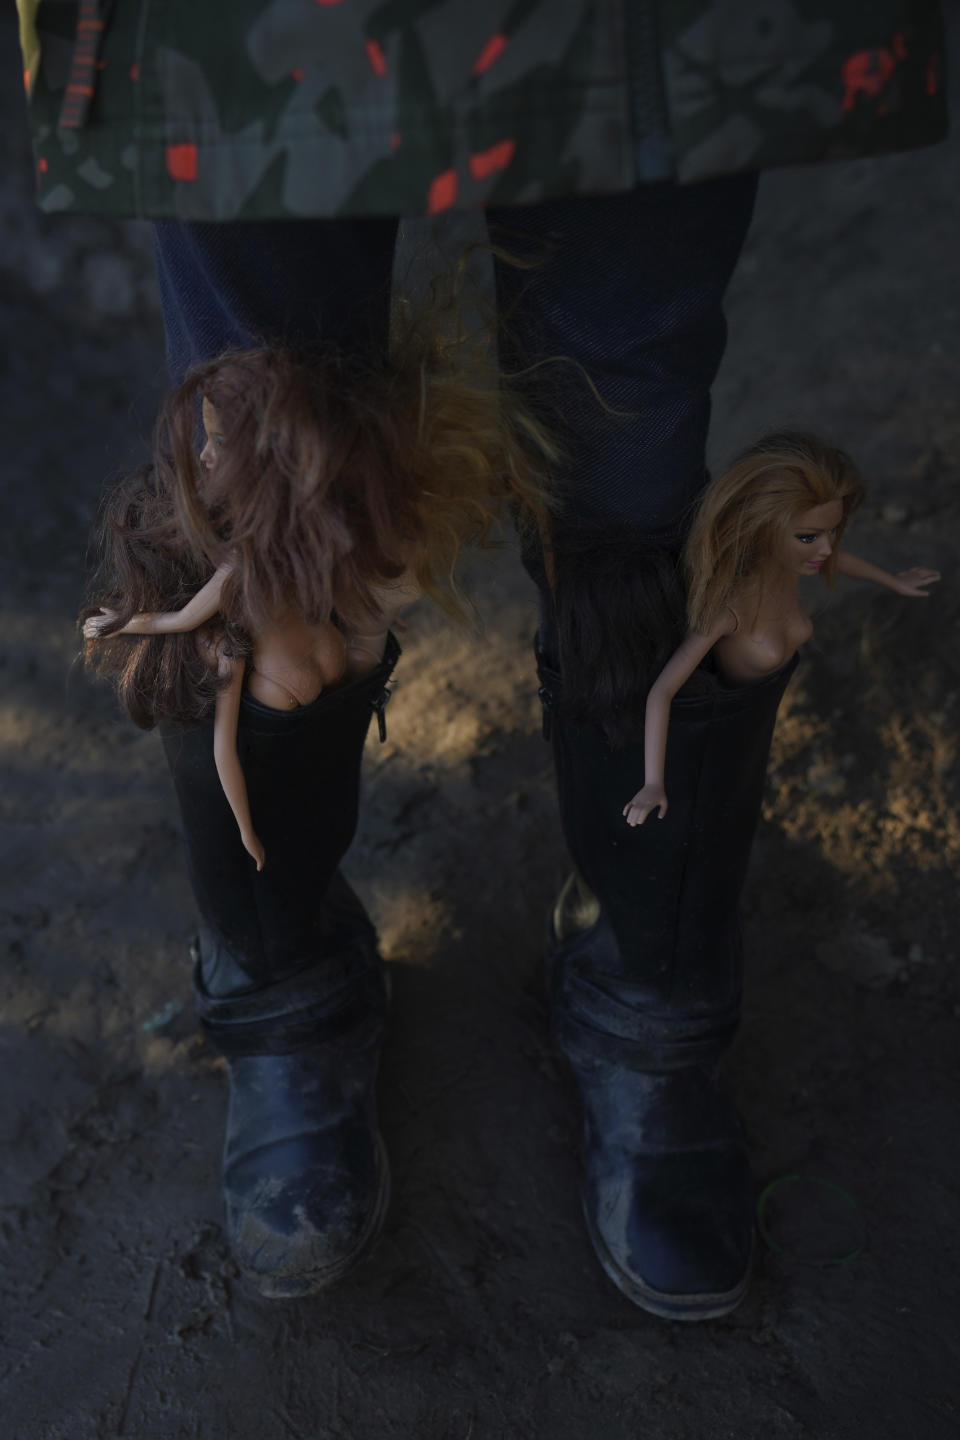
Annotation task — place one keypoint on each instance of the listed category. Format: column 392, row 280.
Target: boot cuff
column 599, row 1015
column 320, row 1005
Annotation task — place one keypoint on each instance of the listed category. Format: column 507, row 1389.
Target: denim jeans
column 625, row 289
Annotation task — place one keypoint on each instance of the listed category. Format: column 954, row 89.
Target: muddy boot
column 290, row 986
column 645, row 974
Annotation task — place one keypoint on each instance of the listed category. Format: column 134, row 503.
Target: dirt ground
column 482, row 1314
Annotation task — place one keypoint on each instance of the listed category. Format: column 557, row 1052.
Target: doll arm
column 201, row 607
column 678, row 668
column 225, row 722
column 907, row 582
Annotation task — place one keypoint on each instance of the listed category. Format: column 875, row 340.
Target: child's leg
column 645, row 972
column 279, row 282
column 290, row 985
column 289, row 981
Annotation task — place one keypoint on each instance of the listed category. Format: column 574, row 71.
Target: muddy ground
column 482, row 1313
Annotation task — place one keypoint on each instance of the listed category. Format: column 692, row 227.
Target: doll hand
column 913, row 582
column 94, row 625
column 253, row 847
column 651, row 797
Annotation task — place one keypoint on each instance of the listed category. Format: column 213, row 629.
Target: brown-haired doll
column 328, row 495
column 773, row 518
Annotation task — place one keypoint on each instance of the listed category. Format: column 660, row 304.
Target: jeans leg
column 284, row 282
column 645, row 968
column 296, row 282
column 290, row 987
column 630, row 288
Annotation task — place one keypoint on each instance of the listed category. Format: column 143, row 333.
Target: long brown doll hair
column 744, row 510
column 147, row 565
column 337, row 474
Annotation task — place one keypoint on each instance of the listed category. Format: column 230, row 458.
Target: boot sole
column 657, row 1302
column 295, row 1287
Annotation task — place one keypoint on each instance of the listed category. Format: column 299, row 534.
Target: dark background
column 483, row 1313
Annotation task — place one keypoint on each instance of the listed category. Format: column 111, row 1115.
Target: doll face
column 807, row 542
column 213, row 432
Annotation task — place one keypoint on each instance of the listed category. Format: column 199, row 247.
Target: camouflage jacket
column 253, row 109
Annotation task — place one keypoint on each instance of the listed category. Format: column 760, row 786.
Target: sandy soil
column 483, row 1313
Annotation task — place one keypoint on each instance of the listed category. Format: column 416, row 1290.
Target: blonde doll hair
column 744, row 510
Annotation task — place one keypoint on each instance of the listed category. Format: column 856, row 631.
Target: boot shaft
column 302, row 770
column 655, row 981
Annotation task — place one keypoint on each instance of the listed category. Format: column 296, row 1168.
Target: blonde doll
column 774, row 518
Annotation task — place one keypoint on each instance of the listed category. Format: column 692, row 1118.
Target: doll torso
column 769, row 631
column 293, row 662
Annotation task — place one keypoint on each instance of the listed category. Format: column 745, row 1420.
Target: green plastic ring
column 764, row 1198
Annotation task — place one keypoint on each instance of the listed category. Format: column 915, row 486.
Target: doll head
column 320, row 477
column 284, row 483
column 746, row 516
column 325, row 475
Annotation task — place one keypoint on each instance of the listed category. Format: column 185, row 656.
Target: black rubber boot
column 645, row 975
column 290, row 986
